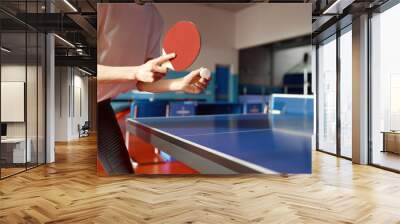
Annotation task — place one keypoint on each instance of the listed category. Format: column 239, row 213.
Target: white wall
column 13, row 101
column 285, row 60
column 14, row 72
column 33, row 126
column 80, row 102
column 17, row 72
column 62, row 81
column 69, row 82
column 268, row 22
column 82, row 82
column 217, row 29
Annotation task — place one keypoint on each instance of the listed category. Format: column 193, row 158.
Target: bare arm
column 191, row 83
column 108, row 74
column 163, row 85
column 151, row 71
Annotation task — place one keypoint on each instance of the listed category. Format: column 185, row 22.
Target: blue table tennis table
column 232, row 144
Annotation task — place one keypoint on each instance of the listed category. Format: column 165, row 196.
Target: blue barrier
column 149, row 109
column 184, row 108
column 292, row 104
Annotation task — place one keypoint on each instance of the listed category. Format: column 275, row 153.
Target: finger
column 194, row 90
column 160, row 69
column 208, row 78
column 164, row 58
column 193, row 74
column 203, row 81
column 201, row 85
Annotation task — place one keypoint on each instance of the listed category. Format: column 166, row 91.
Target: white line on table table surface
column 227, row 132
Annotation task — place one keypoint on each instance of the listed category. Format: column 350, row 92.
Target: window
column 346, row 93
column 385, row 88
column 327, row 96
column 22, row 93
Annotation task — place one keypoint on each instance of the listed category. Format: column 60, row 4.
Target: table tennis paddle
column 183, row 39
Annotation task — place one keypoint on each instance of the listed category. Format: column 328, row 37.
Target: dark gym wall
column 255, row 66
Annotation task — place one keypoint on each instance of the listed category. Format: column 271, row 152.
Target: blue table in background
column 231, row 144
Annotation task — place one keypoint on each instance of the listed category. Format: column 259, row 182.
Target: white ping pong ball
column 205, row 73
